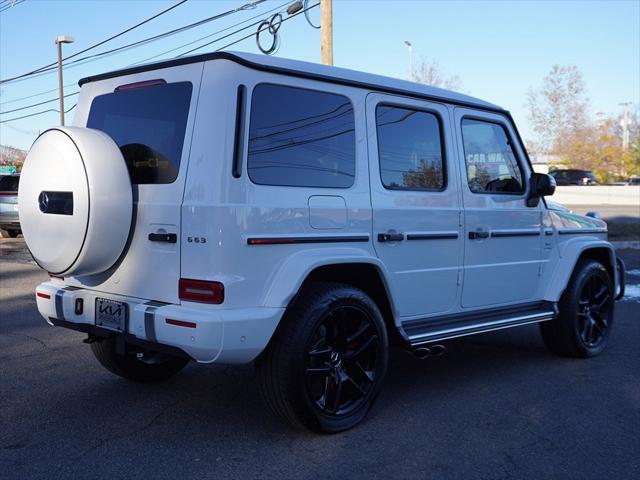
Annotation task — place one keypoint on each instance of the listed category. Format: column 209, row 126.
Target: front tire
column 585, row 317
column 144, row 366
column 324, row 367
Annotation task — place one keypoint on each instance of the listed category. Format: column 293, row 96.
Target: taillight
column 46, row 296
column 200, row 291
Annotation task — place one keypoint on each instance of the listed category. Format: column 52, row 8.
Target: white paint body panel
column 206, row 202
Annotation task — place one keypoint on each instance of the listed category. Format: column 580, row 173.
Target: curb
column 626, row 244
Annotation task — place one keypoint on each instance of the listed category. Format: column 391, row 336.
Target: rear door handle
column 478, row 235
column 390, row 237
column 163, row 237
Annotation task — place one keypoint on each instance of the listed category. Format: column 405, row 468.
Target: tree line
column 566, row 132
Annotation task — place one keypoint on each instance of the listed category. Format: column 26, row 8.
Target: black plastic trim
column 581, row 231
column 432, row 236
column 238, row 140
column 126, row 337
column 515, row 234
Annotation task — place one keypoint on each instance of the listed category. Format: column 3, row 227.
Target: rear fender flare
column 286, row 280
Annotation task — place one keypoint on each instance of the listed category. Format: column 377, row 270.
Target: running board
column 423, row 331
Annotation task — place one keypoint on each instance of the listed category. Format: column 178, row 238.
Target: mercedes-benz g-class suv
column 234, row 208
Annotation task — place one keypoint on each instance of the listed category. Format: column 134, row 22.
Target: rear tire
column 585, row 317
column 324, row 367
column 13, row 233
column 145, row 367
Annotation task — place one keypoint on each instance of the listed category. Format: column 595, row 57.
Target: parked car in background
column 9, row 220
column 634, row 180
column 573, row 177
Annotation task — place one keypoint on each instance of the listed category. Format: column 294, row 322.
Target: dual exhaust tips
column 423, row 353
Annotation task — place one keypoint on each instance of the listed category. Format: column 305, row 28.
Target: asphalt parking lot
column 495, row 406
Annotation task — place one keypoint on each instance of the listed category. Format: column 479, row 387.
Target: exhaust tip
column 421, row 353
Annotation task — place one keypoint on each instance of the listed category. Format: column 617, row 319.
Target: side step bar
column 424, row 331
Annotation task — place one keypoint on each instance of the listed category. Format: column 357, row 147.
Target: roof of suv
column 313, row 71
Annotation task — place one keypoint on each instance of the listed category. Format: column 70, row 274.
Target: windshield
column 148, row 124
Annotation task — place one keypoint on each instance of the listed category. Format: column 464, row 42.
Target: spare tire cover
column 75, row 201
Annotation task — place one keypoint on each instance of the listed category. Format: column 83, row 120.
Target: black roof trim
column 284, row 71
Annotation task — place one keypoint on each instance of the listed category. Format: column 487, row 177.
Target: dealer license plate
column 111, row 314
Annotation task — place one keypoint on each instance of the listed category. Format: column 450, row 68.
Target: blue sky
column 498, row 49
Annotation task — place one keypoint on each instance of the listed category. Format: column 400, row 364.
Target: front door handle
column 390, row 236
column 478, row 235
column 163, row 237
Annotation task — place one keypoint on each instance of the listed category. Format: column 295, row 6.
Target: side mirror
column 542, row 185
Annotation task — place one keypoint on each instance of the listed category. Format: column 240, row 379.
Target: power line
column 37, row 113
column 147, row 20
column 36, row 94
column 185, row 53
column 40, row 103
column 212, row 34
column 7, row 6
column 52, row 67
column 267, row 27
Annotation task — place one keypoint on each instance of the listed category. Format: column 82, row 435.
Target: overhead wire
column 38, row 113
column 52, row 67
column 181, row 55
column 7, row 6
column 278, row 8
column 40, row 103
column 102, row 42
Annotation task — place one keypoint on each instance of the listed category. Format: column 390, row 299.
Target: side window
column 490, row 161
column 301, row 138
column 409, row 149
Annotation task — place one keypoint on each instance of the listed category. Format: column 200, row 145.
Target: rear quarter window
column 301, row 138
column 148, row 124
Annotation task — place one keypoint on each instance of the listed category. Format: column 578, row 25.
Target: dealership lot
column 495, row 406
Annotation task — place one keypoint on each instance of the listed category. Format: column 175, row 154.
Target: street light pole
column 408, row 44
column 59, row 41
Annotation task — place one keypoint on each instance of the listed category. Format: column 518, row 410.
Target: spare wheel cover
column 75, row 201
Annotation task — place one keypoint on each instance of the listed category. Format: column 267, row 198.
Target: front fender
column 569, row 253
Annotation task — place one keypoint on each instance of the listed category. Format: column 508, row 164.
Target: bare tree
column 559, row 110
column 430, row 73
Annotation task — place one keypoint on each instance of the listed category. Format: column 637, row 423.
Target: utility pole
column 326, row 25
column 59, row 41
column 624, row 123
column 408, row 44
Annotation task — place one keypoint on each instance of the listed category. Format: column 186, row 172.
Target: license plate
column 111, row 314
column 15, row 207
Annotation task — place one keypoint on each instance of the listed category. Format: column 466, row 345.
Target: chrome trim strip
column 480, row 328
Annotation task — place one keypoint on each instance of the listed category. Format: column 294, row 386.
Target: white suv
column 235, row 208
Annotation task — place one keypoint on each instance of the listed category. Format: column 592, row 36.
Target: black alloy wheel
column 342, row 359
column 324, row 366
column 585, row 313
column 594, row 308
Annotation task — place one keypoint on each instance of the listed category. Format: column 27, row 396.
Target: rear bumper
column 221, row 336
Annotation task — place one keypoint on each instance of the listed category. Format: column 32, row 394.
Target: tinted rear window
column 148, row 124
column 301, row 138
column 9, row 183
